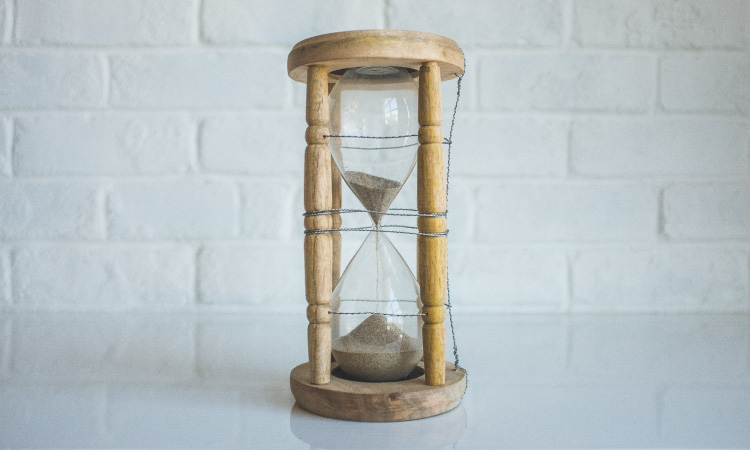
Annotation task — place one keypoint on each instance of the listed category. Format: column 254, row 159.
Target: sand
column 377, row 351
column 375, row 193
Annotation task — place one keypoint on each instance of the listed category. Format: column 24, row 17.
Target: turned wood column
column 318, row 247
column 431, row 198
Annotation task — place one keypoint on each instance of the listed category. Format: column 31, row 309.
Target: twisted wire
column 449, row 142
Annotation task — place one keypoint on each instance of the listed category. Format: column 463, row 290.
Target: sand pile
column 375, row 193
column 377, row 351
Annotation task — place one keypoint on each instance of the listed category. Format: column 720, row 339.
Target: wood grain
column 318, row 247
column 431, row 250
column 378, row 402
column 400, row 48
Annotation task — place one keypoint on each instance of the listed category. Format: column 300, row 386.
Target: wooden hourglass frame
column 319, row 62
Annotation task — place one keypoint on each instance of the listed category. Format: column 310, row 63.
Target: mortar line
column 5, row 367
column 197, row 251
column 569, row 171
column 7, row 276
column 10, row 22
column 10, row 142
column 195, row 156
column 569, row 281
column 657, row 106
column 103, row 204
column 240, row 203
column 106, row 80
column 198, row 17
column 568, row 25
column 660, row 214
column 285, row 109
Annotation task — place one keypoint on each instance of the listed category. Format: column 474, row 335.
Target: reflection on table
column 196, row 381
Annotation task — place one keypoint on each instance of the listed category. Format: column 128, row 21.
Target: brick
column 122, row 22
column 256, row 22
column 116, row 276
column 268, row 211
column 500, row 279
column 706, row 416
column 49, row 210
column 658, row 348
column 566, row 212
column 515, row 147
column 184, row 209
column 506, row 22
column 231, row 351
column 199, row 79
column 661, row 24
column 174, row 415
column 579, row 82
column 259, row 144
column 256, row 275
column 109, row 144
column 626, row 147
column 708, row 211
column 65, row 346
column 72, row 414
column 705, row 82
column 690, row 279
column 45, row 79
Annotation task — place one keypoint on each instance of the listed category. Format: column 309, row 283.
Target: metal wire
column 379, row 230
column 373, row 312
column 448, row 304
column 349, row 210
column 449, row 141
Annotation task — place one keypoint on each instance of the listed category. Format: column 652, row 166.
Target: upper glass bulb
column 374, row 110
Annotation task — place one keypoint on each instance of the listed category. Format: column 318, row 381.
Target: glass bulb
column 376, row 104
column 375, row 327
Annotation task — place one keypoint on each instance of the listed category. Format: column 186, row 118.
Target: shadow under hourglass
column 437, row 432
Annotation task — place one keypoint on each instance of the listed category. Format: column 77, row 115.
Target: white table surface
column 153, row 380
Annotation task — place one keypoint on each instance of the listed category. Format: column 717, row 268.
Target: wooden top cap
column 347, row 49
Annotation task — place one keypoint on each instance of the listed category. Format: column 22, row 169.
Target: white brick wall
column 124, row 144
column 51, row 79
column 122, row 22
column 112, row 277
column 151, row 156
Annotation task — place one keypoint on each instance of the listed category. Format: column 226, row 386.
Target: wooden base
column 377, row 402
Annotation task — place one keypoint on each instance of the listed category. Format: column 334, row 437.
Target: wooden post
column 431, row 250
column 318, row 247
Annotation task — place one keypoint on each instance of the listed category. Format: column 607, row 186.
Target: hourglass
column 376, row 339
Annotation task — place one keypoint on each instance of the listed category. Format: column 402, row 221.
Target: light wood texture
column 318, row 247
column 400, row 48
column 431, row 250
column 378, row 402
